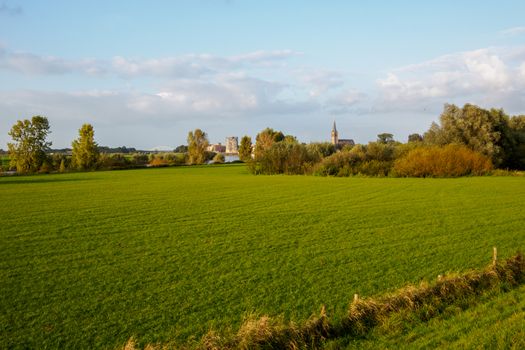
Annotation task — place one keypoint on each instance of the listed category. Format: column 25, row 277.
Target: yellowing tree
column 85, row 149
column 245, row 149
column 197, row 144
column 28, row 151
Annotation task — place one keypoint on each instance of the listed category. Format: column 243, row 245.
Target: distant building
column 337, row 141
column 232, row 145
column 217, row 148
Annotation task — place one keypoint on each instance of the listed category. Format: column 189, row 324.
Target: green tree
column 385, row 138
column 415, row 138
column 197, row 144
column 85, row 155
column 484, row 131
column 245, row 149
column 28, row 151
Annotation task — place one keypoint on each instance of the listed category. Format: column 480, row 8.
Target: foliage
column 447, row 161
column 484, row 131
column 374, row 159
column 28, row 151
column 218, row 158
column 322, row 149
column 284, row 158
column 415, row 138
column 206, row 242
column 116, row 161
column 167, row 159
column 197, row 144
column 85, row 154
column 62, row 167
column 245, row 149
column 265, row 139
column 181, row 149
column 385, row 138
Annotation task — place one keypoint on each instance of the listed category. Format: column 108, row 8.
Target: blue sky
column 144, row 73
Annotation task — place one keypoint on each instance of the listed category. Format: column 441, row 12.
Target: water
column 231, row 158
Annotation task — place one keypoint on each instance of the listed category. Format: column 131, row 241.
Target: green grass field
column 91, row 259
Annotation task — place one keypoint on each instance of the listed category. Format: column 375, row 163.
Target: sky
column 145, row 73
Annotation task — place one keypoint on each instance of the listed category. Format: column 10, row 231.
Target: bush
column 113, row 161
column 284, row 158
column 219, row 158
column 448, row 161
column 375, row 159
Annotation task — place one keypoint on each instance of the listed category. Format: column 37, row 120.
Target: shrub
column 158, row 162
column 375, row 159
column 284, row 158
column 448, row 161
column 113, row 161
column 219, row 158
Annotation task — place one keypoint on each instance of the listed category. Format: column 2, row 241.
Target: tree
column 181, row 149
column 28, row 151
column 62, row 167
column 197, row 144
column 265, row 139
column 245, row 149
column 415, row 138
column 385, row 138
column 484, row 131
column 85, row 153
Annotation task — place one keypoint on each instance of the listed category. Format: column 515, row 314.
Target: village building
column 232, row 145
column 217, row 148
column 339, row 143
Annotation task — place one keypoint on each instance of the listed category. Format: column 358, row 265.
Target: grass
column 91, row 259
column 494, row 321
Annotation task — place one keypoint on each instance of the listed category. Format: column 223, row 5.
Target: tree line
column 30, row 151
column 468, row 140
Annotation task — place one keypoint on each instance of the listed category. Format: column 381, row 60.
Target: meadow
column 91, row 259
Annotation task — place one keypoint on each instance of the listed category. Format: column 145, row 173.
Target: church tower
column 335, row 137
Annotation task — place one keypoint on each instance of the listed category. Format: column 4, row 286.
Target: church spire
column 334, row 136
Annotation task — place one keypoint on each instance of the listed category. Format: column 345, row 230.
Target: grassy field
column 90, row 259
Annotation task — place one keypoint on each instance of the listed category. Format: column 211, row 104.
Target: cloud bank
column 254, row 89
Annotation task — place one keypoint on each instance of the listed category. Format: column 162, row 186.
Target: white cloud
column 490, row 75
column 345, row 101
column 183, row 66
column 513, row 31
column 319, row 81
column 32, row 64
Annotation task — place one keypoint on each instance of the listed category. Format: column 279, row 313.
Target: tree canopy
column 85, row 150
column 27, row 152
column 197, row 144
column 245, row 149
